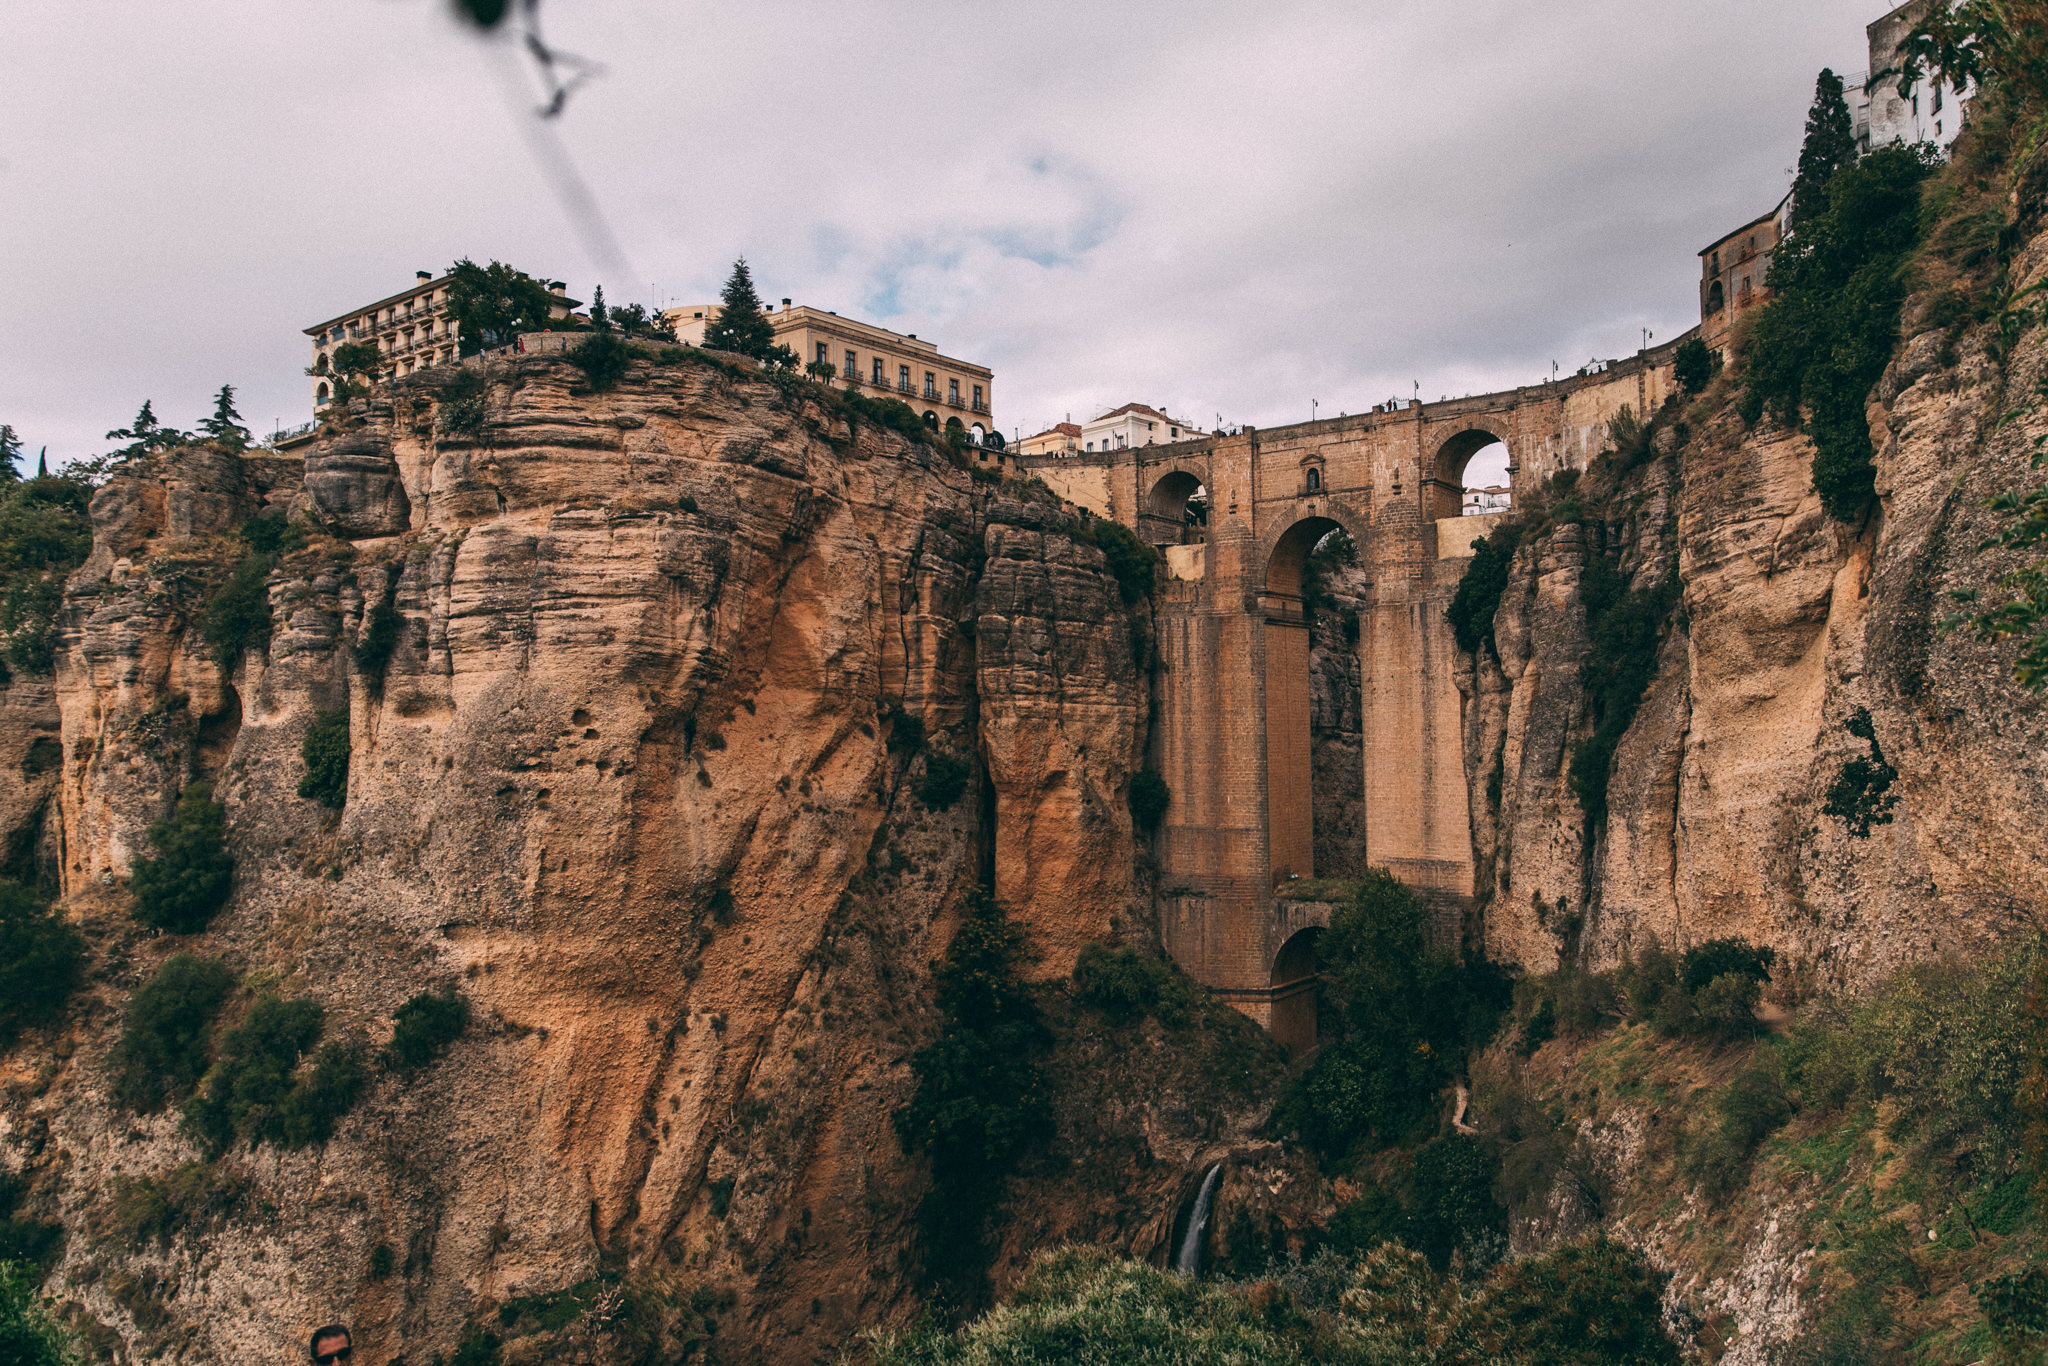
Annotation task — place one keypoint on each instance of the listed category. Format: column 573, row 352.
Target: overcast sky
column 1225, row 209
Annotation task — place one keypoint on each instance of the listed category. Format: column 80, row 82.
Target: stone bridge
column 1233, row 738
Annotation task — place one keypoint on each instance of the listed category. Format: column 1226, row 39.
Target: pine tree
column 1830, row 145
column 741, row 327
column 10, row 451
column 225, row 426
column 599, row 319
column 146, row 434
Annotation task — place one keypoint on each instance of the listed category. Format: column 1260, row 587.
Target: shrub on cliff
column 381, row 634
column 1477, row 600
column 41, row 957
column 741, row 326
column 1820, row 345
column 44, row 535
column 425, row 1026
column 236, row 617
column 1130, row 559
column 1627, row 628
column 30, row 1334
column 185, row 884
column 167, row 1029
column 1149, row 799
column 324, row 752
column 23, row 1237
column 1410, row 1013
column 1693, row 365
column 257, row 1088
column 604, row 358
column 491, row 305
column 945, row 778
column 980, row 1101
column 1125, row 985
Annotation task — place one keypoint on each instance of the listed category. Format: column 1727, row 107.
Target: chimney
column 424, row 275
column 558, row 286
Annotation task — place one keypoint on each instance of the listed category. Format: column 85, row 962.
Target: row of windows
column 370, row 322
column 877, row 376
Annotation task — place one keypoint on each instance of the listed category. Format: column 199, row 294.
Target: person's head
column 330, row 1345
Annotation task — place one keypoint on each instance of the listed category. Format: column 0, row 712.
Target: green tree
column 741, row 327
column 225, row 425
column 1693, row 365
column 256, row 1089
column 146, row 435
column 188, row 881
column 424, row 1026
column 41, row 957
column 1829, row 146
column 493, row 304
column 325, row 753
column 10, row 451
column 29, row 1333
column 351, row 369
column 599, row 319
column 167, row 1029
column 1819, row 347
column 44, row 534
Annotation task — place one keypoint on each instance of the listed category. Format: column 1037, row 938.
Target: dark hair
column 332, row 1330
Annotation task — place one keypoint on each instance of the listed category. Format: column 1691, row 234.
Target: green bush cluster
column 425, row 1026
column 1861, row 795
column 1626, row 626
column 45, row 533
column 1125, row 985
column 1149, row 798
column 190, row 1197
column 325, row 751
column 463, row 402
column 381, row 634
column 981, row 1100
column 1693, row 365
column 30, row 1334
column 185, row 884
column 945, row 779
column 1131, row 560
column 24, row 1238
column 1592, row 1302
column 1820, row 345
column 1711, row 990
column 167, row 1029
column 236, row 616
column 1410, row 1013
column 604, row 358
column 41, row 959
column 256, row 1089
column 1442, row 1205
column 1477, row 601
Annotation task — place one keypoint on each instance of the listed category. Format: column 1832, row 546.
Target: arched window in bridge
column 1717, row 298
column 1315, row 480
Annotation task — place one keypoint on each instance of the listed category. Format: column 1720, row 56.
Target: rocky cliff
column 1785, row 624
column 647, row 776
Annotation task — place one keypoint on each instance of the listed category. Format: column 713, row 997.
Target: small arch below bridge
column 1297, row 972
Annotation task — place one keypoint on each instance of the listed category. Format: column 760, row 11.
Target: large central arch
column 1165, row 520
column 1290, row 746
column 1444, row 490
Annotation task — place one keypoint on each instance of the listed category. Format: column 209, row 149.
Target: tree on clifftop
column 225, row 426
column 493, row 304
column 1830, row 145
column 740, row 327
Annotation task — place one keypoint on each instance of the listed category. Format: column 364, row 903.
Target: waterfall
column 1189, row 1260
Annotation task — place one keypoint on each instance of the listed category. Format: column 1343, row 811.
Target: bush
column 1594, row 1302
column 1693, row 365
column 381, row 634
column 272, row 534
column 1820, row 345
column 255, row 1089
column 237, row 616
column 980, row 1101
column 325, row 753
column 1149, row 799
column 603, row 357
column 1626, row 629
column 41, row 958
column 24, row 1239
column 45, row 533
column 1124, row 985
column 190, row 1197
column 945, row 778
column 167, row 1029
column 29, row 1333
column 1477, row 601
column 1410, row 1015
column 1716, row 958
column 185, row 885
column 425, row 1026
column 1129, row 559
column 1861, row 794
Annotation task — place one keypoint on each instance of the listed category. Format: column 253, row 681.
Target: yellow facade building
column 411, row 329
column 945, row 392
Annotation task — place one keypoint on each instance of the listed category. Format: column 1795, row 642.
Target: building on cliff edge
column 947, row 393
column 1135, row 424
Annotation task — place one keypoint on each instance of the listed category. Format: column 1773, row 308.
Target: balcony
column 980, row 407
column 931, row 396
column 903, row 387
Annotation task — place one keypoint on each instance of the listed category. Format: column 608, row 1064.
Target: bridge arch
column 1289, row 548
column 1445, row 489
column 1297, row 970
column 1165, row 519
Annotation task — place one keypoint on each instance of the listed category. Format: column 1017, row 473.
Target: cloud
column 1227, row 208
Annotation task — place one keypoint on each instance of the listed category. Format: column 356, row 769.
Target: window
column 977, row 397
column 1090, row 446
column 852, row 366
column 1173, row 433
column 903, row 378
column 878, row 369
column 953, row 392
column 320, row 392
column 824, row 353
column 1315, row 480
column 931, row 385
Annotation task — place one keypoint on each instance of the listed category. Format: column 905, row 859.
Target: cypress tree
column 225, row 426
column 1830, row 145
column 740, row 327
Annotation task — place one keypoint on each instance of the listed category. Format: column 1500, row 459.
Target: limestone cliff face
column 1788, row 623
column 628, row 780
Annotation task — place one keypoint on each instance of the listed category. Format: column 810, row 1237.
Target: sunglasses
column 329, row 1358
